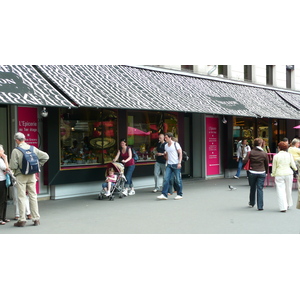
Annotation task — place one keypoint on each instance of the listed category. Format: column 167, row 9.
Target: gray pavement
column 208, row 207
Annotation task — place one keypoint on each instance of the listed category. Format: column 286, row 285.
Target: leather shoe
column 28, row 217
column 20, row 224
column 36, row 223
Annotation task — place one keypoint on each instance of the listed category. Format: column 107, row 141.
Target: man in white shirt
column 174, row 158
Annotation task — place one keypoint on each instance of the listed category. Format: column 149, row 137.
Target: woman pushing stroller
column 125, row 155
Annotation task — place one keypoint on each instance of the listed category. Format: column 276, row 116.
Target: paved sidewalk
column 207, row 207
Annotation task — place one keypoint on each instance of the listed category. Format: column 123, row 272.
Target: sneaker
column 107, row 194
column 125, row 193
column 250, row 206
column 162, row 197
column 178, row 197
column 132, row 192
column 236, row 177
column 155, row 190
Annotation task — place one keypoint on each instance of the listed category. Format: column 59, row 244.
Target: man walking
column 26, row 182
column 241, row 154
column 160, row 164
column 174, row 158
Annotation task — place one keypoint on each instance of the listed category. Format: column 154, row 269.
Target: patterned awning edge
column 293, row 99
column 23, row 85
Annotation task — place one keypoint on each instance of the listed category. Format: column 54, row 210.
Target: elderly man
column 26, row 182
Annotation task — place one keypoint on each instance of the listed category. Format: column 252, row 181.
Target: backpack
column 185, row 157
column 30, row 162
column 134, row 154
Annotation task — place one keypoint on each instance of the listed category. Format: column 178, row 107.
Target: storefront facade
column 90, row 108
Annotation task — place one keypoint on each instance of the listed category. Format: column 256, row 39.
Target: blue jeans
column 172, row 170
column 256, row 182
column 128, row 174
column 240, row 165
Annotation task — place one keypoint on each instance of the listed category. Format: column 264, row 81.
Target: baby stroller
column 119, row 185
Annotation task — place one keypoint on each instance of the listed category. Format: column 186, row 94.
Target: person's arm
column 179, row 157
column 117, row 156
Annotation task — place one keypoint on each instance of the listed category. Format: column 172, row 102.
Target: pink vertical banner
column 212, row 146
column 28, row 124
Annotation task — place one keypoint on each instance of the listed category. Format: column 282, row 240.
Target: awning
column 135, row 88
column 115, row 86
column 23, row 85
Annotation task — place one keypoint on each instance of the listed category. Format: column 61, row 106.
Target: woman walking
column 126, row 158
column 283, row 163
column 258, row 168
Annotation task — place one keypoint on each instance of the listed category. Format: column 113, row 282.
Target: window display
column 88, row 136
column 143, row 128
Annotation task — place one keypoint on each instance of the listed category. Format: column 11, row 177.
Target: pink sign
column 212, row 147
column 28, row 124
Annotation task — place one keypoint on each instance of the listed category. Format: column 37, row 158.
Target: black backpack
column 185, row 157
column 30, row 162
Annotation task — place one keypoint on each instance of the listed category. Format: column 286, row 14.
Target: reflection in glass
column 87, row 136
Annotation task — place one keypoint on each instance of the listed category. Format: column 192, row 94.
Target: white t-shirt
column 173, row 157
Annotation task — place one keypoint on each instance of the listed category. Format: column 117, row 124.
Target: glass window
column 243, row 128
column 88, row 136
column 143, row 130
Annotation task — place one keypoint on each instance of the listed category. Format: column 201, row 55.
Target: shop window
column 88, row 136
column 143, row 128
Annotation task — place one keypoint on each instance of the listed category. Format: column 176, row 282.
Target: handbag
column 8, row 180
column 247, row 166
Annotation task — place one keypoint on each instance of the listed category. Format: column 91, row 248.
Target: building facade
column 78, row 114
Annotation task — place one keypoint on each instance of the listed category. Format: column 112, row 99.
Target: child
column 110, row 181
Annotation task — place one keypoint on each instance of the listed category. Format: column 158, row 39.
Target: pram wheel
column 121, row 195
column 112, row 198
column 100, row 197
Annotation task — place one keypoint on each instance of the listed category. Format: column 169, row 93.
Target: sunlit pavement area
column 207, row 207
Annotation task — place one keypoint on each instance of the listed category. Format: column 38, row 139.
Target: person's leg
column 163, row 170
column 21, row 192
column 168, row 174
column 178, row 181
column 281, row 194
column 288, row 189
column 129, row 179
column 252, row 183
column 2, row 199
column 108, row 188
column 31, row 190
column 260, row 194
column 240, row 165
column 156, row 175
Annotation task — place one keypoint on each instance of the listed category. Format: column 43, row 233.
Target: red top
column 124, row 156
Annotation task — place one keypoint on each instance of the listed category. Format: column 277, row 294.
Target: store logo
column 13, row 83
column 230, row 103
